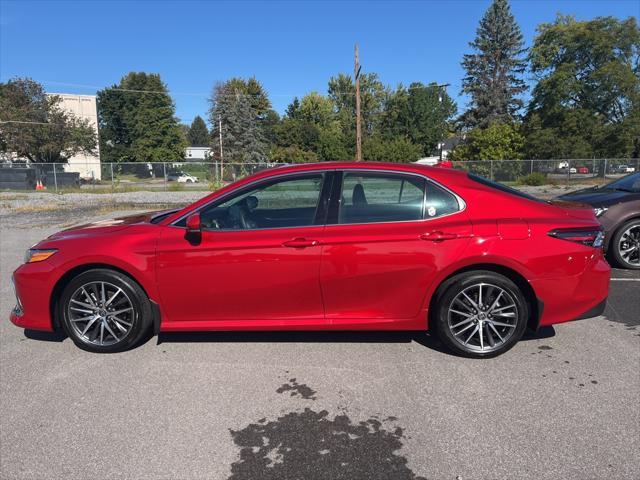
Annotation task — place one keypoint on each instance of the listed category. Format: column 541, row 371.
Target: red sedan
column 331, row 246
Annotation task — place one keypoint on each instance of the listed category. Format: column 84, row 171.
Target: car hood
column 599, row 196
column 108, row 226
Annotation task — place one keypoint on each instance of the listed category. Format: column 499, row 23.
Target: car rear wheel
column 104, row 311
column 625, row 245
column 480, row 314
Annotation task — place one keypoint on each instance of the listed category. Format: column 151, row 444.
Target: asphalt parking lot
column 563, row 404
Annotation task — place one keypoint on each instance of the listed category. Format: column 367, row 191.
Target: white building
column 197, row 154
column 83, row 106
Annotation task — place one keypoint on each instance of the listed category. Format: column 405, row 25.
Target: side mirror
column 194, row 226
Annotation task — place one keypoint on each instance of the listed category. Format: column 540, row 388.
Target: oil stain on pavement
column 310, row 445
column 298, row 389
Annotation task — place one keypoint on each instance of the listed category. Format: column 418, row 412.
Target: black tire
column 140, row 314
column 615, row 246
column 493, row 283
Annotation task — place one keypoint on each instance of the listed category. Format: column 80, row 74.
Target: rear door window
column 381, row 197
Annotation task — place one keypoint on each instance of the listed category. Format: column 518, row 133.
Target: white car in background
column 181, row 177
column 626, row 169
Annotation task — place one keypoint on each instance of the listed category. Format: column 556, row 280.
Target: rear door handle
column 300, row 243
column 438, row 236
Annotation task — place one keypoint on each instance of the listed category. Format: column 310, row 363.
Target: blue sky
column 291, row 47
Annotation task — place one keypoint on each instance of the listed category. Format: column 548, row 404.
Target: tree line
column 573, row 93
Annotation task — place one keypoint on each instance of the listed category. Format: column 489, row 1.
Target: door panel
column 382, row 271
column 379, row 259
column 240, row 275
column 258, row 258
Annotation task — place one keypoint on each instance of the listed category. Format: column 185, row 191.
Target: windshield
column 630, row 183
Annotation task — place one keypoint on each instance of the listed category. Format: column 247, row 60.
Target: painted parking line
column 625, row 279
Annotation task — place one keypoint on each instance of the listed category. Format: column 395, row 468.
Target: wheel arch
column 618, row 226
column 610, row 244
column 534, row 304
column 64, row 280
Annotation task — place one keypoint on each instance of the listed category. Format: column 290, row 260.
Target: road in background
column 317, row 405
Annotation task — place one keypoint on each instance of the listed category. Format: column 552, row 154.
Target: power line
column 202, row 94
column 2, row 122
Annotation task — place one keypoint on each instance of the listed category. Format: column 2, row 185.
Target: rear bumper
column 574, row 297
column 594, row 312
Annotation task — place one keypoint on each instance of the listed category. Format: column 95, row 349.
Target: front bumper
column 33, row 284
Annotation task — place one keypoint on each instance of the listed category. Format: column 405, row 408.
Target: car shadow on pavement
column 423, row 338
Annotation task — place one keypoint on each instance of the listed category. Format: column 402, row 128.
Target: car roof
column 434, row 172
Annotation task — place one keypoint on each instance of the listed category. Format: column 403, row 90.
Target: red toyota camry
column 331, row 246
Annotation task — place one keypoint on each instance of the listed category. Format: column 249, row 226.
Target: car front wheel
column 480, row 314
column 104, row 311
column 625, row 245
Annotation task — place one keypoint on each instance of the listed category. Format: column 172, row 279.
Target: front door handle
column 300, row 243
column 438, row 236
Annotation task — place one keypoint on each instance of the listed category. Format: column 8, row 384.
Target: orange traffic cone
column 39, row 185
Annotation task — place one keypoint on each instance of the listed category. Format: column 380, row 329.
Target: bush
column 534, row 179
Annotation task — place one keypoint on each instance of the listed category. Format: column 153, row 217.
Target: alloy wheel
column 482, row 317
column 629, row 246
column 100, row 313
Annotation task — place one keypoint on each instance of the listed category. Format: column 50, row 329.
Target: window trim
column 332, row 177
column 334, row 201
column 327, row 179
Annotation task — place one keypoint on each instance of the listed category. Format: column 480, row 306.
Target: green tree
column 270, row 124
column 292, row 154
column 587, row 99
column 373, row 96
column 254, row 91
column 242, row 134
column 332, row 144
column 397, row 149
column 297, row 132
column 198, row 133
column 293, row 110
column 500, row 142
column 316, row 109
column 494, row 71
column 137, row 121
column 421, row 113
column 34, row 126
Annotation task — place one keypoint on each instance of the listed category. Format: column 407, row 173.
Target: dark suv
column 617, row 206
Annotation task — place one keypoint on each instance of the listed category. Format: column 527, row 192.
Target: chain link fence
column 207, row 176
column 540, row 172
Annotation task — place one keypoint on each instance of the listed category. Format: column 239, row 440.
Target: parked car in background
column 181, row 177
column 566, row 170
column 625, row 169
column 617, row 206
column 325, row 246
column 583, row 170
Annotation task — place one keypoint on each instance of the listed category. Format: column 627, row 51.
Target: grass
column 10, row 196
column 48, row 207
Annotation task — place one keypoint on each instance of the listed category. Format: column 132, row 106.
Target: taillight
column 591, row 237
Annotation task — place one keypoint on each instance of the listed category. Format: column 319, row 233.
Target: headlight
column 34, row 255
column 599, row 211
column 599, row 240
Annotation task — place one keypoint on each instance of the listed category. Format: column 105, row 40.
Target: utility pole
column 220, row 138
column 356, row 70
column 441, row 87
